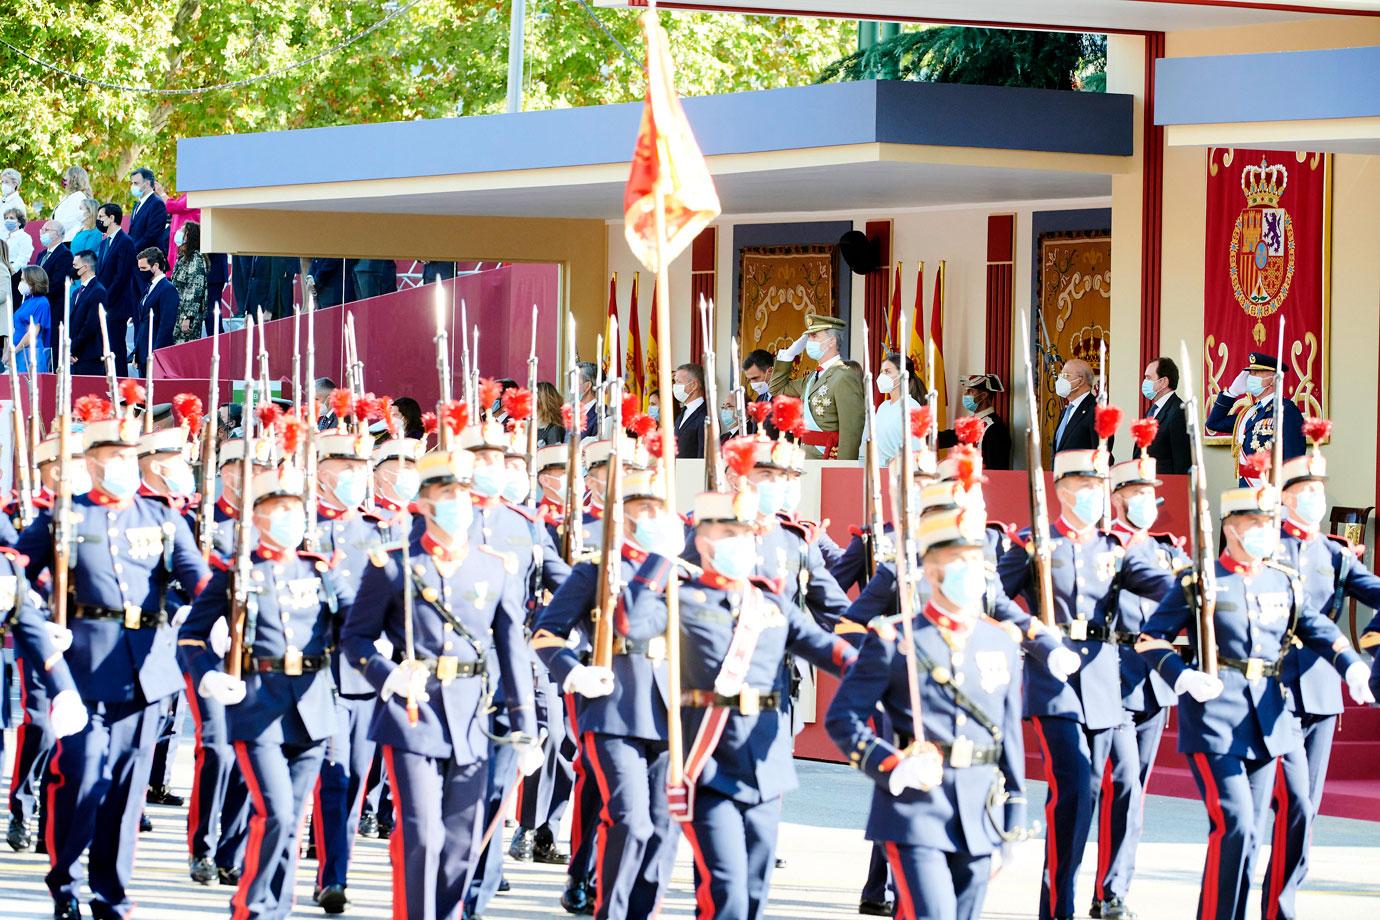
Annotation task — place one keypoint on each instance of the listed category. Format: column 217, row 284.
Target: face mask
column 771, row 494
column 406, row 483
column 1147, row 389
column 734, row 557
column 1062, row 388
column 119, row 478
column 654, row 412
column 678, row 391
column 964, row 583
column 1259, row 542
column 46, row 239
column 179, row 480
column 761, row 387
column 102, row 225
column 349, row 488
column 136, row 192
column 1310, row 507
column 654, row 533
column 488, row 481
column 516, row 486
column 1255, row 385
column 180, row 237
column 494, row 409
column 791, row 500
column 81, row 480
column 11, row 225
column 1141, row 511
column 1087, row 505
column 6, row 189
column 885, row 383
column 815, row 350
column 287, row 527
column 728, row 418
column 24, row 289
column 969, row 403
column 453, row 515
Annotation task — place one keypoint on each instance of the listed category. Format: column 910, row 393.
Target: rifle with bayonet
column 533, row 487
column 64, row 523
column 23, row 465
column 713, row 461
column 1103, row 398
column 1203, row 583
column 611, row 549
column 312, row 421
column 873, row 529
column 739, row 392
column 907, row 573
column 1277, row 411
column 148, row 381
column 572, row 532
column 210, row 440
column 1041, row 552
column 35, row 420
column 112, row 380
column 442, row 342
column 409, row 643
column 242, row 589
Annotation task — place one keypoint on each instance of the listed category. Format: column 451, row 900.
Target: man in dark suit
column 115, row 270
column 249, row 282
column 162, row 300
column 335, row 281
column 87, row 295
column 1170, row 447
column 148, row 222
column 56, row 260
column 1074, row 430
column 375, row 277
column 688, row 390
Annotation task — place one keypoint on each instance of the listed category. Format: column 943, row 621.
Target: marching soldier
column 1075, row 718
column 1253, row 426
column 931, row 808
column 127, row 550
column 1235, row 726
column 465, row 621
column 851, row 567
column 1144, row 694
column 280, row 712
column 734, row 637
column 832, row 393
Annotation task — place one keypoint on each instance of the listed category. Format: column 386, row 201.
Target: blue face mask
column 1087, row 505
column 735, row 557
column 815, row 350
column 654, row 533
column 119, row 478
column 179, row 480
column 406, row 484
column 1147, row 389
column 1141, row 511
column 1255, row 385
column 287, row 527
column 11, row 225
column 791, row 500
column 964, row 583
column 1259, row 542
column 727, row 418
column 488, row 480
column 1310, row 507
column 654, row 412
column 969, row 403
column 349, row 488
column 771, row 495
column 453, row 515
column 515, row 486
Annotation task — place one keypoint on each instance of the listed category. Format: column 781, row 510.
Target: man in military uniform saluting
column 1253, row 428
column 832, row 393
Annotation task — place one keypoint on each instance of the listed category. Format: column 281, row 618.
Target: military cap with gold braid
column 1310, row 466
column 165, row 441
column 818, row 322
column 952, row 527
column 551, row 456
column 47, row 449
column 737, row 507
column 232, row 451
column 487, row 435
column 285, row 481
column 643, row 483
column 1137, row 472
column 1248, row 500
column 445, row 466
column 1091, row 463
column 408, row 449
column 336, row 446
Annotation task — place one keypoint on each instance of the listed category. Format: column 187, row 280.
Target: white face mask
column 1062, row 388
column 761, row 387
column 24, row 289
column 885, row 383
column 679, row 392
column 6, row 189
column 180, row 237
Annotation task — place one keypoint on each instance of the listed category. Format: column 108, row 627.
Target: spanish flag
column 941, row 403
column 651, row 378
column 893, row 314
column 612, row 354
column 632, row 365
column 915, row 349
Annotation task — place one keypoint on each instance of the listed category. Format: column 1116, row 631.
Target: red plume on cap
column 1143, row 431
column 457, row 416
column 187, row 408
column 367, row 408
column 92, row 408
column 1108, row 421
column 291, row 428
column 787, row 413
column 1317, row 429
column 758, row 412
column 967, row 465
column 920, row 421
column 1256, row 465
column 642, row 425
column 489, row 391
column 567, row 417
column 131, row 391
column 969, row 429
column 268, row 414
column 629, row 410
column 429, row 423
column 740, row 454
column 656, row 444
column 341, row 402
column 386, row 411
column 517, row 402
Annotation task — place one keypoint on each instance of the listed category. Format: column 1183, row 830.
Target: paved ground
column 826, row 861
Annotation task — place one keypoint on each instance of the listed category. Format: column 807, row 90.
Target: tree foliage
column 990, row 57
column 443, row 58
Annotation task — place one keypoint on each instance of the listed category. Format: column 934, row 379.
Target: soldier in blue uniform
column 347, row 539
column 280, row 711
column 466, row 623
column 1144, row 694
column 851, row 567
column 1075, row 720
column 1253, row 424
column 931, row 808
column 623, row 715
column 734, row 639
column 127, row 551
column 1330, row 571
column 1235, row 726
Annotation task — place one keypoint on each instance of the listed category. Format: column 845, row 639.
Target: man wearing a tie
column 832, row 394
column 1253, row 428
column 1170, row 447
column 1074, row 385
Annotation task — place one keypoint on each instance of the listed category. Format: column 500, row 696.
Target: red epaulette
column 529, row 513
column 765, row 583
column 1169, row 539
column 800, row 528
column 1358, row 548
column 217, row 561
column 1119, row 536
column 19, row 558
column 320, row 561
column 855, row 531
column 688, row 519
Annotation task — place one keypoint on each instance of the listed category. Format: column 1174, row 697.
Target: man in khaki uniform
column 832, row 394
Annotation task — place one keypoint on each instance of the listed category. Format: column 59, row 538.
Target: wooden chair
column 1350, row 522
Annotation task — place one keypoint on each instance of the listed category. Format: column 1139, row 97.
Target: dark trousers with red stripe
column 502, row 774
column 878, row 885
column 933, row 884
column 169, row 737
column 734, row 844
column 1121, row 801
column 218, row 807
column 1297, row 794
column 279, row 778
column 340, row 798
column 33, row 745
column 585, row 801
column 1073, row 755
column 95, row 798
column 636, row 838
column 438, row 814
column 377, row 801
column 1237, row 795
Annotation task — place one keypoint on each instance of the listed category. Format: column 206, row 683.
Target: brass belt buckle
column 292, row 661
column 749, row 701
column 134, row 616
column 1255, row 668
column 1078, row 630
column 961, row 753
column 447, row 667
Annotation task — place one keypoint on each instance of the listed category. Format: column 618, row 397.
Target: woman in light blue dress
column 893, row 415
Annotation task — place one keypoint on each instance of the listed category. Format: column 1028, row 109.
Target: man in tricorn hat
column 832, row 394
column 1253, row 429
column 978, row 392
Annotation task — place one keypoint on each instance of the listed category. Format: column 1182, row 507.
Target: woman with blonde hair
column 76, row 185
column 549, row 428
column 88, row 236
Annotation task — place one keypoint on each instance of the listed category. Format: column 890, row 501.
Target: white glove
column 221, row 687
column 404, row 678
column 589, row 681
column 383, row 646
column 60, row 636
column 1063, row 661
column 792, row 351
column 1202, row 687
column 67, row 714
column 1238, row 386
column 1358, row 683
column 181, row 615
column 922, row 771
column 219, row 638
column 530, row 756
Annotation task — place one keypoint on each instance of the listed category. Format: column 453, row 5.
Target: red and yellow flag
column 612, row 353
column 893, row 314
column 632, row 365
column 915, row 348
column 669, row 175
column 651, row 378
column 941, row 403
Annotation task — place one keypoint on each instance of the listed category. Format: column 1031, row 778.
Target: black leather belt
column 132, row 617
column 1253, row 668
column 749, row 701
column 1085, row 631
column 653, row 648
column 968, row 755
column 448, row 667
column 293, row 666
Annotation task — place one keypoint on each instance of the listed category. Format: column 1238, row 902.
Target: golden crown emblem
column 1264, row 184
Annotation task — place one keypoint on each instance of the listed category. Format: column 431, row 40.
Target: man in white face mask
column 165, row 472
column 396, row 482
column 1074, row 385
column 1251, row 421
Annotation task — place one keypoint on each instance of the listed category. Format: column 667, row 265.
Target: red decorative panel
column 1152, row 210
column 1001, row 254
column 877, row 291
column 703, row 261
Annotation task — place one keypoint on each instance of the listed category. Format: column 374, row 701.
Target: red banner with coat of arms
column 1267, row 256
